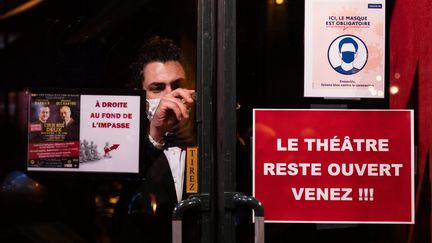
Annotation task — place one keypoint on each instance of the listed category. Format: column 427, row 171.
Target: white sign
column 344, row 49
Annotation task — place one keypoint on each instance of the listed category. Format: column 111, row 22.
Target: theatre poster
column 344, row 49
column 84, row 132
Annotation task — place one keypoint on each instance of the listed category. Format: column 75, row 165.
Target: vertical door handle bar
column 180, row 208
column 251, row 202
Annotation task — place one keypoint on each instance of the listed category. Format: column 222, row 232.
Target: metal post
column 226, row 116
column 205, row 112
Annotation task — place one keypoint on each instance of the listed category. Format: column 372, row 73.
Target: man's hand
column 172, row 108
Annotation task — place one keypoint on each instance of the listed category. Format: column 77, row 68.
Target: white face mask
column 152, row 105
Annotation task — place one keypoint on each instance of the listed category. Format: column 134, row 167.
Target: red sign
column 334, row 166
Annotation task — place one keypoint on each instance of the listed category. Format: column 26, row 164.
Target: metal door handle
column 180, row 208
column 251, row 202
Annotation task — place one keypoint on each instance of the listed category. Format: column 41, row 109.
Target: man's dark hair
column 154, row 49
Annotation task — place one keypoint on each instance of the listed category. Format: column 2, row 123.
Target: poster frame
column 311, row 94
column 139, row 175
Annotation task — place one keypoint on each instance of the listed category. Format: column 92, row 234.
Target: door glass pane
column 270, row 73
column 85, row 45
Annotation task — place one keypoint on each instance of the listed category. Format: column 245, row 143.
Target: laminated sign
column 84, row 132
column 334, row 166
column 344, row 48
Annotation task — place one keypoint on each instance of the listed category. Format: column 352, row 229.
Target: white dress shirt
column 176, row 159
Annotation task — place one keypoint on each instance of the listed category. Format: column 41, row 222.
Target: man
column 71, row 128
column 65, row 114
column 38, row 126
column 43, row 115
column 168, row 107
column 348, row 52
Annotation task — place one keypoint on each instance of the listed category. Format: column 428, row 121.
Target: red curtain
column 411, row 73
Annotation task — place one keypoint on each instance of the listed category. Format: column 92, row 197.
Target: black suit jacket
column 72, row 131
column 149, row 210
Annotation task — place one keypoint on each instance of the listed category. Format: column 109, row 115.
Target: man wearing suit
column 168, row 108
column 38, row 126
column 65, row 113
column 43, row 115
column 71, row 127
